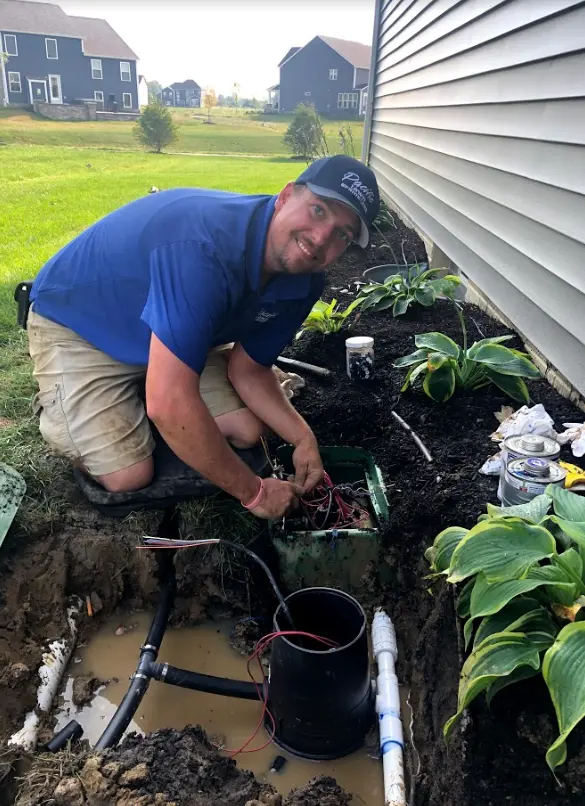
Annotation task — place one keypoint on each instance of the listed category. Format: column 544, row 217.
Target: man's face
column 307, row 232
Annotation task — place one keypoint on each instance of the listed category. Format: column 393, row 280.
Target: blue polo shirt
column 183, row 264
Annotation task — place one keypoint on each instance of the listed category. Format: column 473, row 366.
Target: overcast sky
column 219, row 42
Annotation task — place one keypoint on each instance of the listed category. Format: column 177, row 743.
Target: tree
column 154, row 87
column 209, row 101
column 305, row 136
column 155, row 127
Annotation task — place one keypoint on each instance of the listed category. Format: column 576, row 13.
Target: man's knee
column 241, row 428
column 130, row 478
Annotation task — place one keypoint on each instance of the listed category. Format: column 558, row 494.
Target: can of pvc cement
column 524, row 446
column 526, row 478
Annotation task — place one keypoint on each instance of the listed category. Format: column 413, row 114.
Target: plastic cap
column 359, row 341
column 532, row 442
column 537, row 467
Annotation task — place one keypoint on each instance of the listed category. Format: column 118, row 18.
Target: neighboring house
column 274, row 97
column 142, row 91
column 57, row 58
column 332, row 74
column 181, row 93
column 477, row 136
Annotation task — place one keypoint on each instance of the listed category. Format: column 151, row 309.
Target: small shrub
column 155, row 127
column 325, row 318
column 399, row 292
column 305, row 136
column 384, row 220
column 346, row 140
column 523, row 603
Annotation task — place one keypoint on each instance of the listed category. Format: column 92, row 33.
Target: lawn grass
column 230, row 133
column 50, row 195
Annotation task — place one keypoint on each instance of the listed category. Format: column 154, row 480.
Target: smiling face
column 307, row 232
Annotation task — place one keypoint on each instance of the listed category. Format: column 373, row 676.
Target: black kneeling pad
column 173, row 481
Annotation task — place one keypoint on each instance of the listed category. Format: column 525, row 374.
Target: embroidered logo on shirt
column 264, row 315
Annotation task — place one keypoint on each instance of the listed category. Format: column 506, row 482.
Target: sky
column 221, row 42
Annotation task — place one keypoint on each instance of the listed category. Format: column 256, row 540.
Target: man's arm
column 259, row 389
column 174, row 404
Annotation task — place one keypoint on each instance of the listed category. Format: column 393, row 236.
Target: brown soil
column 499, row 755
column 167, row 768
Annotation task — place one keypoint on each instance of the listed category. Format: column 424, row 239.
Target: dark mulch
column 500, row 757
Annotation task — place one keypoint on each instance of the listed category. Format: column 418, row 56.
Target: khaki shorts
column 90, row 405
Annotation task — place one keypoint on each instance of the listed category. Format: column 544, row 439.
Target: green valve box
column 332, row 557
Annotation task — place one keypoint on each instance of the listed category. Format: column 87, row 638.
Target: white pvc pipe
column 51, row 671
column 388, row 709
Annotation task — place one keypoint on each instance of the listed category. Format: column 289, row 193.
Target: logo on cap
column 363, row 193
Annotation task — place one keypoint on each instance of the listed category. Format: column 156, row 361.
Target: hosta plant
column 399, row 291
column 325, row 317
column 444, row 366
column 522, row 596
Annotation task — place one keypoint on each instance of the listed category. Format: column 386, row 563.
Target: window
column 10, row 46
column 51, row 49
column 98, row 96
column 125, row 73
column 14, row 84
column 333, row 75
column 307, row 93
column 96, row 69
column 347, row 100
column 127, row 100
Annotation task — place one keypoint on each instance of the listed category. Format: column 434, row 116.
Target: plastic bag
column 575, row 434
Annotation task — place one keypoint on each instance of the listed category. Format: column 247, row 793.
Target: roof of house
column 99, row 38
column 290, row 53
column 274, row 87
column 355, row 53
column 186, row 85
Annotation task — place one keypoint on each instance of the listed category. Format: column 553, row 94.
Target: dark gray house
column 181, row 93
column 52, row 57
column 332, row 74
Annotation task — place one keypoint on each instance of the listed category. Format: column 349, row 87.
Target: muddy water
column 230, row 721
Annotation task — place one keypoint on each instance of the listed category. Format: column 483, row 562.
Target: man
column 161, row 287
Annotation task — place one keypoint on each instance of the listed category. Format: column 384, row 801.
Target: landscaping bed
column 497, row 757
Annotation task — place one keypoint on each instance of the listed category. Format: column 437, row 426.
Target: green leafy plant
column 399, row 291
column 444, row 366
column 523, row 601
column 325, row 317
column 305, row 136
column 155, row 127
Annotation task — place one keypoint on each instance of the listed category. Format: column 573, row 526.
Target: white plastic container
column 359, row 358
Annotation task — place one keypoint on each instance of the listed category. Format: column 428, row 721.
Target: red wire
column 262, row 644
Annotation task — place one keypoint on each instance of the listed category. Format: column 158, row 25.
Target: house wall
column 477, row 135
column 73, row 67
column 308, row 71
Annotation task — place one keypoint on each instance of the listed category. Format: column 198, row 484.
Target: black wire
column 268, row 573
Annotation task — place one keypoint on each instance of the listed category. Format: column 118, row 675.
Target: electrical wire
column 329, row 498
column 170, row 543
column 260, row 647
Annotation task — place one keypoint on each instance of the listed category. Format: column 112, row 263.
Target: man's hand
column 279, row 498
column 308, row 465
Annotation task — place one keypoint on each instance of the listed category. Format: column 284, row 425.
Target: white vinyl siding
column 127, row 100
column 125, row 72
column 14, row 83
column 10, row 45
column 477, row 135
column 51, row 49
column 96, row 69
column 348, row 100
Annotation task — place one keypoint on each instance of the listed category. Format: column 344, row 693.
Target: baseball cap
column 346, row 180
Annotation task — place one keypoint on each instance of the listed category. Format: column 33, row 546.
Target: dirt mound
column 321, row 791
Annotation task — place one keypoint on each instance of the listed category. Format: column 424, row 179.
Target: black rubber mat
column 174, row 481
